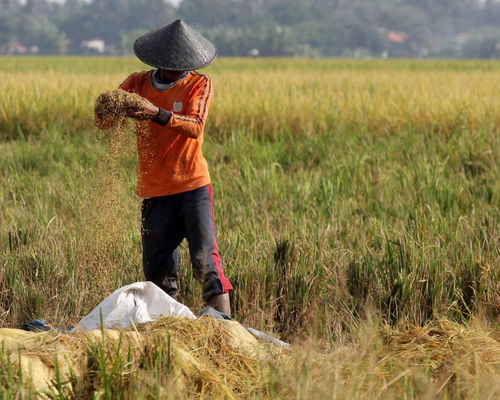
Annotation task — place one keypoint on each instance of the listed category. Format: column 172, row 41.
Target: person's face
column 170, row 75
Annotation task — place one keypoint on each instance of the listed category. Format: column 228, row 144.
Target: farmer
column 173, row 177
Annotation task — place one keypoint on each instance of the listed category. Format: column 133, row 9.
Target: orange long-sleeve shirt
column 170, row 157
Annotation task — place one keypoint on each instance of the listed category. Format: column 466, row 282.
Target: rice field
column 357, row 208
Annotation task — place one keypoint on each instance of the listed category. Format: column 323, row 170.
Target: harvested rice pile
column 211, row 357
column 216, row 359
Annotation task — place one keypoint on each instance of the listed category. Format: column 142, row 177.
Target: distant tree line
column 312, row 28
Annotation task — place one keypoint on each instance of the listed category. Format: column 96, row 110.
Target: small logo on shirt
column 177, row 106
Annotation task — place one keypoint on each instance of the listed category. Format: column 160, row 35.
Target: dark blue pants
column 166, row 221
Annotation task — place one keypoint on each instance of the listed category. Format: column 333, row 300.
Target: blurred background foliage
column 307, row 28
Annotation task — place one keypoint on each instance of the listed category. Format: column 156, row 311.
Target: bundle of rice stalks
column 217, row 358
column 116, row 104
column 173, row 357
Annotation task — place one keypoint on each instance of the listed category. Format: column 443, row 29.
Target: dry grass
column 207, row 358
column 175, row 357
column 441, row 360
column 454, row 355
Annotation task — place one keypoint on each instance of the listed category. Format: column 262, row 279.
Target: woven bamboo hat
column 175, row 46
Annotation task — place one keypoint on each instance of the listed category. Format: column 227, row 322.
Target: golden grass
column 268, row 103
column 382, row 102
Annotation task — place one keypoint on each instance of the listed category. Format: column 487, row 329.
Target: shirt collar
column 160, row 84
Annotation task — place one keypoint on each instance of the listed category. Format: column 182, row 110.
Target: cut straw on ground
column 209, row 358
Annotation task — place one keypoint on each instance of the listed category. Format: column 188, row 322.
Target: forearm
column 186, row 125
column 191, row 122
column 179, row 124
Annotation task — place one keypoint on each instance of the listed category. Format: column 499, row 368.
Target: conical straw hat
column 175, row 46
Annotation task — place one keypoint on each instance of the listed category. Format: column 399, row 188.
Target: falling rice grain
column 108, row 215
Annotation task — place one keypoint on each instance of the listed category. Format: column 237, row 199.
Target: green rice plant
column 341, row 187
column 12, row 381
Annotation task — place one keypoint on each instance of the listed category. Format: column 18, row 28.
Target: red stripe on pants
column 226, row 285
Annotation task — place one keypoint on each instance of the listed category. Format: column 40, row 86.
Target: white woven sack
column 136, row 303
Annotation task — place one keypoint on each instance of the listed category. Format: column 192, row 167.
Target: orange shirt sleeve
column 192, row 122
